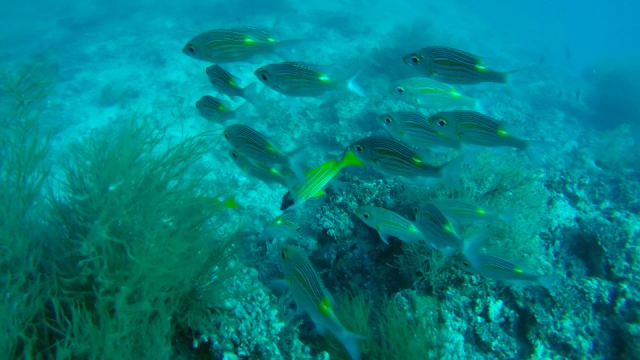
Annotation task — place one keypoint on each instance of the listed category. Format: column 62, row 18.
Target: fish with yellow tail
column 311, row 296
column 312, row 182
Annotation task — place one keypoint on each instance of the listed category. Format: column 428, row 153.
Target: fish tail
column 350, row 341
column 498, row 77
column 548, row 282
column 451, row 172
column 353, row 86
column 472, row 244
column 349, row 159
column 250, row 93
column 230, row 203
column 287, row 49
column 534, row 150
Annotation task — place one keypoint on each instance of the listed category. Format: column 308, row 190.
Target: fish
column 468, row 212
column 216, row 204
column 303, row 80
column 474, row 128
column 285, row 225
column 392, row 158
column 262, row 171
column 227, row 84
column 438, row 229
column 311, row 296
column 452, row 66
column 232, row 44
column 256, row 147
column 314, row 181
column 216, row 110
column 412, row 128
column 498, row 268
column 389, row 223
column 431, row 94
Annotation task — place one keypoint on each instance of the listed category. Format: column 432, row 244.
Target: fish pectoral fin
column 384, row 237
column 319, row 193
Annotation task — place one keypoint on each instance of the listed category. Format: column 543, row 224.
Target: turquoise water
column 132, row 226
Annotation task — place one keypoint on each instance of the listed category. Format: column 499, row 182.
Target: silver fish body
column 310, row 295
column 303, row 80
column 215, row 110
column 262, row 171
column 256, row 147
column 471, row 127
column 389, row 223
column 227, row 84
column 231, row 45
column 412, row 128
column 464, row 211
column 283, row 226
column 390, row 157
column 437, row 229
column 452, row 66
column 431, row 94
column 498, row 268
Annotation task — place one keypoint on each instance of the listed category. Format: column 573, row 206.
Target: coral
column 125, row 255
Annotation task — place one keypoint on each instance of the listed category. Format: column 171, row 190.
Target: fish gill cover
column 147, row 149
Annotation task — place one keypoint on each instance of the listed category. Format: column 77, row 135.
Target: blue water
column 566, row 205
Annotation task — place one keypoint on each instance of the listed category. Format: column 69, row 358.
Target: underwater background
column 133, row 224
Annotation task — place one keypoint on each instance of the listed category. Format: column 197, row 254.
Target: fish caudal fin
column 350, row 341
column 548, row 282
column 534, row 151
column 250, row 93
column 450, row 172
column 287, row 49
column 353, row 86
column 350, row 159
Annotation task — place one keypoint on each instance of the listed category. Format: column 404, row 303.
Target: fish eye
column 283, row 254
column 226, row 136
column 191, row 49
column 415, row 59
column 465, row 263
column 442, row 122
column 399, row 89
column 264, row 76
column 365, row 215
column 359, row 148
column 234, row 155
column 387, row 120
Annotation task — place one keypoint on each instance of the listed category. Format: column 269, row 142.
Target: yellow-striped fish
column 464, row 211
column 438, row 230
column 256, row 147
column 262, row 171
column 230, row 45
column 431, row 94
column 310, row 295
column 390, row 157
column 412, row 128
column 474, row 128
column 216, row 110
column 498, row 268
column 300, row 79
column 227, row 84
column 313, row 182
column 442, row 235
column 283, row 226
column 388, row 223
column 452, row 66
